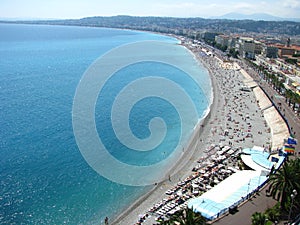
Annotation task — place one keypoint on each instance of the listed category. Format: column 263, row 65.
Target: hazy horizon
column 67, row 9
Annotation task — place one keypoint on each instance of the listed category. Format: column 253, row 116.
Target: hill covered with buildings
column 182, row 26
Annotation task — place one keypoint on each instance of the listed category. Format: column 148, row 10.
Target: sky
column 64, row 9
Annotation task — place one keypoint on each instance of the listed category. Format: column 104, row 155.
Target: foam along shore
column 235, row 121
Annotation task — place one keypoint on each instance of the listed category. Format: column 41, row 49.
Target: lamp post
column 293, row 195
column 248, row 187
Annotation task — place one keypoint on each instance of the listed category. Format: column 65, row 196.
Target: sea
column 44, row 176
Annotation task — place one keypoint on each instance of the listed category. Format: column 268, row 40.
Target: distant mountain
column 255, row 16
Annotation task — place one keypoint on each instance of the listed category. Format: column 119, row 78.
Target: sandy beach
column 235, row 119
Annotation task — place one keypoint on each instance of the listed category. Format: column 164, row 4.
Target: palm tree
column 281, row 87
column 165, row 222
column 296, row 100
column 284, row 181
column 259, row 219
column 297, row 97
column 273, row 213
column 288, row 96
column 186, row 217
column 296, row 166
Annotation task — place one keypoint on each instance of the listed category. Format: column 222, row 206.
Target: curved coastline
column 224, row 106
column 181, row 170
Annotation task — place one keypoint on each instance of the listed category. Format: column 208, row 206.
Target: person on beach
column 106, row 221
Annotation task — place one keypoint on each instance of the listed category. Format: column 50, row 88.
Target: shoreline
column 201, row 130
column 184, row 160
column 231, row 108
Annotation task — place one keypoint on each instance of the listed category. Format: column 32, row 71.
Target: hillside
column 179, row 25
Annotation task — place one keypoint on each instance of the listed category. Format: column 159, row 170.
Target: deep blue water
column 43, row 177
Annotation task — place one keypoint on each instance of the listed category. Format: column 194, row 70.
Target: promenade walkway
column 279, row 102
column 260, row 202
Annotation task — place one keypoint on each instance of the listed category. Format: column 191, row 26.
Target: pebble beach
column 236, row 120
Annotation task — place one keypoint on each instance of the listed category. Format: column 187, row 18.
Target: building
column 234, row 42
column 284, row 51
column 258, row 48
column 271, row 52
column 223, row 40
column 209, row 36
column 247, row 47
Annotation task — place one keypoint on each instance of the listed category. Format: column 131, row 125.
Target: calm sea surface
column 43, row 177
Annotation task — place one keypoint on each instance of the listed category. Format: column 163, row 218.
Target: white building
column 247, row 47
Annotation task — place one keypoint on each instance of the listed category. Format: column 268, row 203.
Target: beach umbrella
column 292, row 141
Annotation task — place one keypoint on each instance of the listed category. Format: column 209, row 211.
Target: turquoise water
column 43, row 177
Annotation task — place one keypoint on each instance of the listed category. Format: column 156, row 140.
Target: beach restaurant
column 237, row 188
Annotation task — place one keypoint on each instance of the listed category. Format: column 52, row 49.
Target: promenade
column 257, row 203
column 280, row 103
column 260, row 202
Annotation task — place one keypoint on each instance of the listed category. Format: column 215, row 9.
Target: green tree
column 296, row 166
column 288, row 96
column 165, row 222
column 295, row 100
column 291, row 61
column 298, row 102
column 233, row 53
column 273, row 213
column 284, row 181
column 259, row 219
column 186, row 217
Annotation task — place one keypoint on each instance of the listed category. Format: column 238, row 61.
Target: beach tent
column 289, row 148
column 258, row 148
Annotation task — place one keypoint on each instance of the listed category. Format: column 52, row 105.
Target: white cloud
column 243, row 7
column 174, row 8
column 293, row 4
column 211, row 8
column 191, row 9
column 286, row 8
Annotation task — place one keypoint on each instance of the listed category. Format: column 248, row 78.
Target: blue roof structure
column 211, row 209
column 236, row 188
